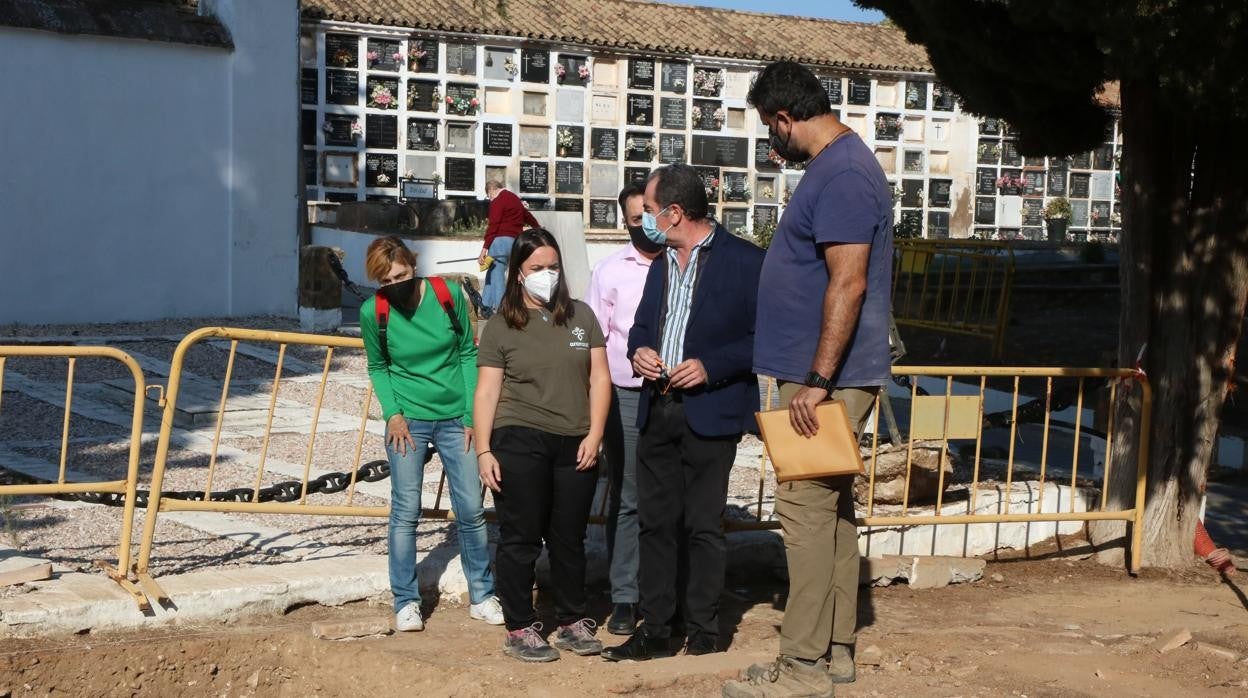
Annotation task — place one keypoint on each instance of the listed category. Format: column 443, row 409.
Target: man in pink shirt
column 614, row 291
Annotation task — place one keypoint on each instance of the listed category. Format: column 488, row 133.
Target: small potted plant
column 1056, row 217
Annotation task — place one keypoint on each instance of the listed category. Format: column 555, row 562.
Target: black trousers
column 682, row 486
column 543, row 498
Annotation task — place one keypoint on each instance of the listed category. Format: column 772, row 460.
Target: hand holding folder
column 832, row 451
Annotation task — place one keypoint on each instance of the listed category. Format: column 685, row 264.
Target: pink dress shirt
column 614, row 291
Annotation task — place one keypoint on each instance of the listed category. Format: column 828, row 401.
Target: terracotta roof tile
column 639, row 25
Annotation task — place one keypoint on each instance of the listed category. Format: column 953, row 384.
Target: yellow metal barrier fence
column 959, row 416
column 125, row 487
column 956, row 286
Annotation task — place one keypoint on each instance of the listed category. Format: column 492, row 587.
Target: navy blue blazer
column 720, row 333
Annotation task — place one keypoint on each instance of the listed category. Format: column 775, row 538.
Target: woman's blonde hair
column 384, row 252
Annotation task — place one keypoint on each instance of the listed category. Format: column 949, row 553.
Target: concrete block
column 1218, row 651
column 936, row 572
column 339, row 630
column 319, row 320
column 883, row 571
column 1173, row 641
column 19, row 570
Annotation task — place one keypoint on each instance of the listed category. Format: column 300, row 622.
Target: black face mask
column 784, row 149
column 400, row 293
column 641, row 242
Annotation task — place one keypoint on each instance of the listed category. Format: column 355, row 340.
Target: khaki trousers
column 821, row 543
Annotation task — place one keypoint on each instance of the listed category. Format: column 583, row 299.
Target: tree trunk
column 1184, row 271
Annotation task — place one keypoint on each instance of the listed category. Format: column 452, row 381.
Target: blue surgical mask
column 650, row 226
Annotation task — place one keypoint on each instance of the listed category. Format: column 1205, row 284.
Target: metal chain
column 335, row 264
column 289, row 491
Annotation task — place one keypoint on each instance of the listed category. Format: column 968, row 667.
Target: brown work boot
column 841, row 664
column 784, row 678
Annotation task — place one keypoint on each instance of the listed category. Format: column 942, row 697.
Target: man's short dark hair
column 629, row 191
column 787, row 86
column 682, row 185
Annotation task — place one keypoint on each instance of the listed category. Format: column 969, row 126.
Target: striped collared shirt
column 680, row 286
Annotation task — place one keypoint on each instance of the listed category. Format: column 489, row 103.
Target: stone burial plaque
column 535, row 141
column 386, row 86
column 675, row 77
column 1101, row 185
column 341, row 197
column 1033, row 183
column 428, row 63
column 1010, row 155
column 985, row 210
column 534, row 177
column 570, row 106
column 342, row 50
column 990, row 126
column 1079, row 185
column 938, row 193
column 1012, row 189
column 381, row 170
column 461, row 174
column 534, row 203
column 422, row 134
column 496, row 63
column 912, row 193
column 497, row 139
column 985, row 180
column 307, row 127
column 602, row 213
column 640, row 110
column 572, row 70
column 461, row 59
column 1103, row 157
column 309, row 168
column 703, row 115
column 859, row 90
column 988, row 152
column 710, row 180
column 942, row 97
column 916, row 94
column 342, row 87
column 381, row 55
column 1079, row 213
column 671, row 148
column 912, row 162
column 764, row 215
column 1081, row 161
column 638, row 146
column 575, row 205
column 938, row 225
column 1099, row 213
column 535, row 65
column 461, row 137
column 636, row 175
column 569, row 177
column 339, row 131
column 421, row 96
column 604, row 179
column 832, row 86
column 1033, row 211
column 574, row 136
column 736, row 186
column 308, row 86
column 640, row 74
column 602, row 108
column 910, row 224
column 672, row 113
column 722, row 151
column 604, row 144
column 381, row 131
column 1057, row 182
column 736, row 220
column 762, row 148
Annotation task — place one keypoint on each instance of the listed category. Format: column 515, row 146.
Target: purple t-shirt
column 842, row 198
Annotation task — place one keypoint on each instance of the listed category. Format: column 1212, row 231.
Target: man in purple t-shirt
column 822, row 332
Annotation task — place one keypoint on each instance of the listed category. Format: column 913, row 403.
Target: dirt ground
column 1054, row 627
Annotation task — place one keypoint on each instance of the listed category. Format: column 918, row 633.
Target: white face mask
column 541, row 284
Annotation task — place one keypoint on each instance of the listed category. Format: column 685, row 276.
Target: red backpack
column 381, row 305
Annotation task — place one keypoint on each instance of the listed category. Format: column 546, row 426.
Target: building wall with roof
column 151, row 166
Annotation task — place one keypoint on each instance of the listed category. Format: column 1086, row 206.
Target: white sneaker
column 490, row 611
column 408, row 619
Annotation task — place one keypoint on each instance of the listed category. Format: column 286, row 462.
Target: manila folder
column 832, row 451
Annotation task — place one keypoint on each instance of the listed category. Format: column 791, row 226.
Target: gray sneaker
column 841, row 664
column 527, row 645
column 578, row 638
column 784, row 678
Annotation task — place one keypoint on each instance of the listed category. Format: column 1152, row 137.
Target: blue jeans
column 496, row 275
column 407, row 474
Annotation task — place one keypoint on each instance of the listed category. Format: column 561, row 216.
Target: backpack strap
column 443, row 294
column 381, row 307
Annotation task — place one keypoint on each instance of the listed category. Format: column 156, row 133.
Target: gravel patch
column 91, row 369
column 179, row 326
column 159, row 349
column 338, row 397
column 23, row 418
column 345, row 360
column 207, row 361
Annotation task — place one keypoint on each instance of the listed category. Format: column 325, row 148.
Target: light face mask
column 541, row 284
column 650, row 226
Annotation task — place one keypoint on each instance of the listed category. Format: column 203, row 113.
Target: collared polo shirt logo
column 579, row 333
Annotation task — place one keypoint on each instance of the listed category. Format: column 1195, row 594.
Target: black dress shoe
column 623, row 619
column 640, row 647
column 701, row 644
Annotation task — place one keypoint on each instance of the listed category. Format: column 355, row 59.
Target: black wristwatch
column 814, row 380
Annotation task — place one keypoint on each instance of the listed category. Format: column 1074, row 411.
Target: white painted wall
column 145, row 180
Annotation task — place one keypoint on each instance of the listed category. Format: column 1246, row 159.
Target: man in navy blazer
column 693, row 343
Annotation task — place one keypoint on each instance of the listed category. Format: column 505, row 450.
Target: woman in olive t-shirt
column 543, row 392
